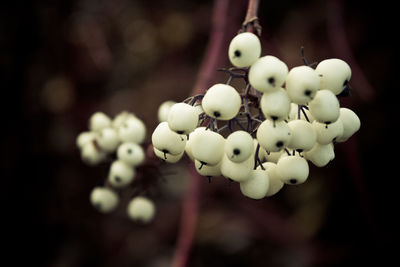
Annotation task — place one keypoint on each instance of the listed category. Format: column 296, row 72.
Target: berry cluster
column 118, row 138
column 264, row 136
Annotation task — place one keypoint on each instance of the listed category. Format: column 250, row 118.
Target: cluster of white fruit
column 118, row 138
column 292, row 116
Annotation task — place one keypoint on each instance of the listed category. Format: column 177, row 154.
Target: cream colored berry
column 108, row 139
column 163, row 110
column 256, row 187
column 320, row 155
column 167, row 157
column 238, row 172
column 334, row 74
column 244, row 49
column 292, row 169
column 273, row 136
column 131, row 153
column 120, row 118
column 302, row 84
column 208, row 147
column 86, row 137
column 275, row 104
column 91, row 154
column 275, row 182
column 132, row 130
column 303, row 135
column 188, row 147
column 168, row 141
column 141, row 209
column 239, row 146
column 120, row 174
column 351, row 124
column 327, row 133
column 183, row 118
column 104, row 199
column 325, row 107
column 267, row 73
column 208, row 170
column 98, row 121
column 221, row 102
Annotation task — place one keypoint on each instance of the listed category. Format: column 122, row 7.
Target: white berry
column 85, row 137
column 244, row 49
column 91, row 154
column 132, row 130
column 168, row 141
column 131, row 153
column 320, row 155
column 302, row 84
column 273, row 136
column 238, row 172
column 335, row 74
column 183, row 118
column 104, row 199
column 163, row 110
column 292, row 169
column 351, row 124
column 120, row 174
column 239, row 146
column 208, row 147
column 120, row 118
column 267, row 73
column 256, row 187
column 294, row 113
column 303, row 135
column 275, row 104
column 108, row 139
column 275, row 182
column 325, row 107
column 222, row 102
column 208, row 170
column 327, row 133
column 141, row 209
column 167, row 157
column 98, row 121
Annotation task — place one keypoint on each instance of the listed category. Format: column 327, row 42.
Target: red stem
column 191, row 201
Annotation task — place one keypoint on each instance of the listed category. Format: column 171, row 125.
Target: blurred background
column 63, row 60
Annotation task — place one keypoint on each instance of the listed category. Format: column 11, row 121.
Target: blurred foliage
column 64, row 60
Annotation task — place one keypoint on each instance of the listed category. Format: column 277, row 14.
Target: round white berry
column 168, row 141
column 91, row 154
column 267, row 73
column 108, row 139
column 167, row 157
column 294, row 113
column 320, row 155
column 302, row 84
column 132, row 130
column 183, row 118
column 325, row 107
column 244, row 49
column 120, row 174
column 120, row 118
column 303, row 135
column 275, row 182
column 207, row 147
column 273, row 136
column 327, row 133
column 85, row 137
column 208, row 170
column 131, row 153
column 141, row 209
column 238, row 172
column 351, row 124
column 334, row 74
column 188, row 147
column 222, row 102
column 239, row 146
column 292, row 169
column 104, row 199
column 256, row 187
column 163, row 110
column 98, row 121
column 275, row 104
column 273, row 156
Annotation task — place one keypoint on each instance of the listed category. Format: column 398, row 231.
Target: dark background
column 61, row 61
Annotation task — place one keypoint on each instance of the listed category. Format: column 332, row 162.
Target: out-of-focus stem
column 191, row 201
column 341, row 47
